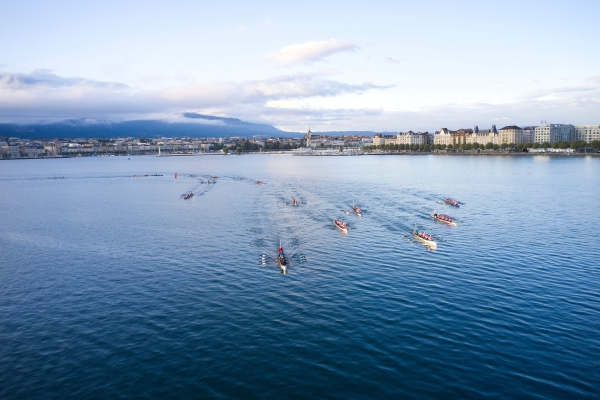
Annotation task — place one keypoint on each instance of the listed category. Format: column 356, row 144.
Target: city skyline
column 333, row 67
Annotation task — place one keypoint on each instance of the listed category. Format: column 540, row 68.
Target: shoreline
column 451, row 154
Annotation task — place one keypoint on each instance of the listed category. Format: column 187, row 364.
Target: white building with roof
column 411, row 137
column 443, row 137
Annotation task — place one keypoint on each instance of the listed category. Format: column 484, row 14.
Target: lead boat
column 340, row 225
column 295, row 202
column 424, row 238
column 282, row 260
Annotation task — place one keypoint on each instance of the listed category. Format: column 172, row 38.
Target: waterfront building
column 443, row 137
column 378, row 140
column 528, row 133
column 510, row 134
column 554, row 133
column 410, row 138
column 32, row 150
column 484, row 136
column 9, row 151
column 447, row 137
column 461, row 136
column 587, row 132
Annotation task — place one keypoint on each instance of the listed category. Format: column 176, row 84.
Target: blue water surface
column 113, row 286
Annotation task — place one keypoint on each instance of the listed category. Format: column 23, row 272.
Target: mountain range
column 190, row 125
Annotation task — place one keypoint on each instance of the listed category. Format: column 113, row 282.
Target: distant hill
column 198, row 126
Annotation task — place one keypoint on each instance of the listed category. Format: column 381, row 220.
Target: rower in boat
column 424, row 238
column 295, row 202
column 282, row 259
column 260, row 183
column 340, row 225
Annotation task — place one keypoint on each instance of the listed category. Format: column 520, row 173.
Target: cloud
column 391, row 60
column 308, row 52
column 44, row 95
column 285, row 100
column 595, row 79
column 45, row 78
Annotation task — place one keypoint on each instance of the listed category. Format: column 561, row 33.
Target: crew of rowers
column 425, row 236
column 451, row 201
column 339, row 223
column 189, row 195
column 442, row 217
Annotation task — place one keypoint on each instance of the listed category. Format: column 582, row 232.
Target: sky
column 328, row 65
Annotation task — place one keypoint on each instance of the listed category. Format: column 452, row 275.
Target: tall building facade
column 554, row 133
column 587, row 132
column 510, row 134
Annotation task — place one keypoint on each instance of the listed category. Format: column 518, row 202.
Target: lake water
column 114, row 287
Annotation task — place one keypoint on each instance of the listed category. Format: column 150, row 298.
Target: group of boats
column 428, row 239
column 282, row 261
column 145, row 175
column 341, row 225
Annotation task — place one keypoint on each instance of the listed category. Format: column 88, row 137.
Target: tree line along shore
column 575, row 146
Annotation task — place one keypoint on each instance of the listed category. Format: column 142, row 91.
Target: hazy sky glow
column 380, row 66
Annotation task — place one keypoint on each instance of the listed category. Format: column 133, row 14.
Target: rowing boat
column 444, row 219
column 452, row 202
column 425, row 239
column 340, row 225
